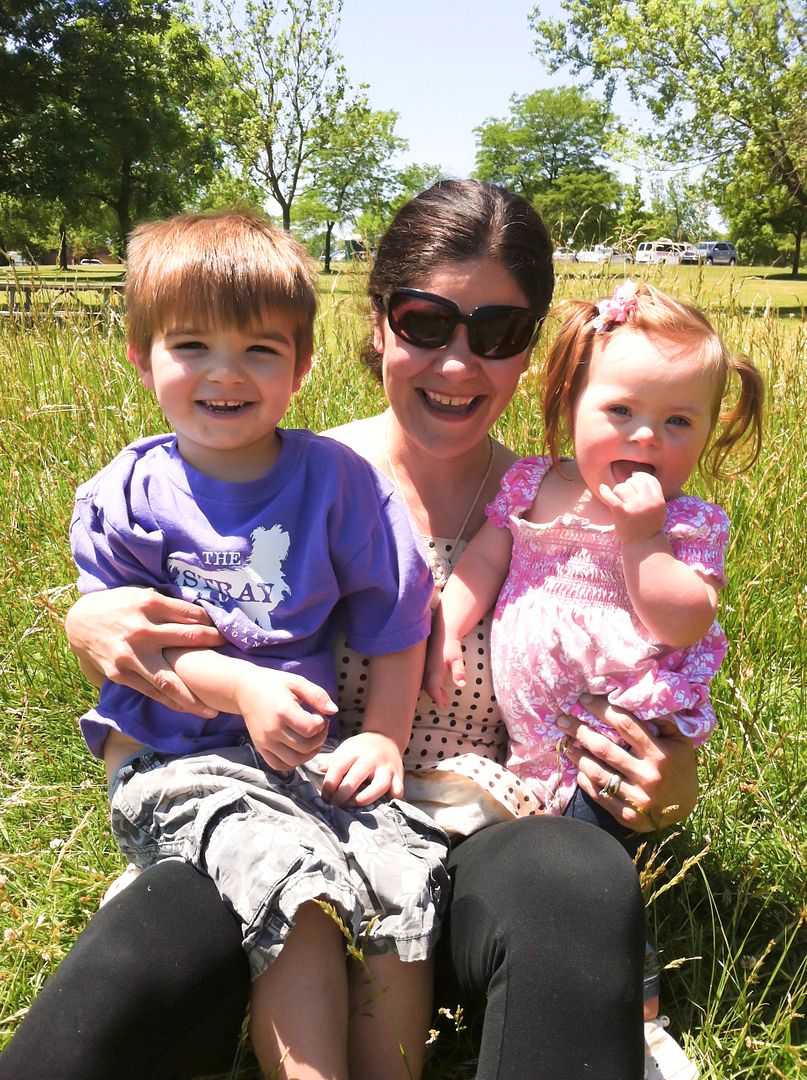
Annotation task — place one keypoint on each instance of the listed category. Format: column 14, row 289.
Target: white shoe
column 121, row 882
column 663, row 1057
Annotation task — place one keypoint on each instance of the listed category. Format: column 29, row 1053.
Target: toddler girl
column 606, row 573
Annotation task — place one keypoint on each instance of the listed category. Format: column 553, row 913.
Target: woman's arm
column 121, row 634
column 659, row 773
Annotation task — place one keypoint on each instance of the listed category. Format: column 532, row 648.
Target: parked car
column 719, row 252
column 689, row 254
column 90, row 262
column 657, row 252
column 602, row 253
column 564, row 254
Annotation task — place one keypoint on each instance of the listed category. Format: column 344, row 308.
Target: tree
column 761, row 214
column 717, row 77
column 350, row 167
column 678, row 210
column 550, row 150
column 631, row 221
column 282, row 80
column 108, row 121
column 404, row 185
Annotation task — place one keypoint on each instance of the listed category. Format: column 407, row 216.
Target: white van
column 662, row 251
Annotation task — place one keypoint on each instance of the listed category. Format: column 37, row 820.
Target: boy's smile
column 224, row 390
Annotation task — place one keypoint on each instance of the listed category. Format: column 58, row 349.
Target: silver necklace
column 441, row 567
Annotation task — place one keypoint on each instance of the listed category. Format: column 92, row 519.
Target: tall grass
column 730, row 922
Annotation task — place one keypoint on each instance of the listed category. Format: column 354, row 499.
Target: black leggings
column 546, row 926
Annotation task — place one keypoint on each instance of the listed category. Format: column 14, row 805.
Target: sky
column 446, row 66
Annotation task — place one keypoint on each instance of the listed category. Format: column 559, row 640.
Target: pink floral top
column 564, row 625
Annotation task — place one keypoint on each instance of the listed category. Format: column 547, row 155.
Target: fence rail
column 18, row 297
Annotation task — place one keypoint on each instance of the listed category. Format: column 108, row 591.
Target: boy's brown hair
column 226, row 268
column 658, row 315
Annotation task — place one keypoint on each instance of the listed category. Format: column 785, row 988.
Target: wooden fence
column 60, row 298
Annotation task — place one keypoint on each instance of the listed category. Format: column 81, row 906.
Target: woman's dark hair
column 457, row 220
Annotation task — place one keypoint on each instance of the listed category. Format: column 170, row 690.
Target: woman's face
column 446, row 400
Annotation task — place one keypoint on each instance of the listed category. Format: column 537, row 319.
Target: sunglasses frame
column 471, row 320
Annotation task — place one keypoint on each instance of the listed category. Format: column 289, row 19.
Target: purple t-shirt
column 280, row 564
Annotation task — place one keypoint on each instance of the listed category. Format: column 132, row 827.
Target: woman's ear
column 378, row 335
column 143, row 365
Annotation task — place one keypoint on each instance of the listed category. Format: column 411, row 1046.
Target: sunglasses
column 495, row 332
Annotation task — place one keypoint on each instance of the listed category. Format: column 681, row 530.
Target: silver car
column 719, row 252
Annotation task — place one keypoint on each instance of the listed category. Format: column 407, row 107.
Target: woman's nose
column 456, row 358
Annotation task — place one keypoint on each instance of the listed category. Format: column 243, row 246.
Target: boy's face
column 224, row 390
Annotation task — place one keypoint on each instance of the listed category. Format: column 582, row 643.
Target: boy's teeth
column 441, row 399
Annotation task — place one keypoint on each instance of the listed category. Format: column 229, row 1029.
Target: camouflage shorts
column 270, row 843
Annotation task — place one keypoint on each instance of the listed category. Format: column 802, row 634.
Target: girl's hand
column 369, row 758
column 120, row 634
column 638, row 507
column 444, row 661
column 658, row 773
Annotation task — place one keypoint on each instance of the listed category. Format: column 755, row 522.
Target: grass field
column 728, row 902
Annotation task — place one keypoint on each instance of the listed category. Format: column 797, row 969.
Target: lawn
column 725, row 892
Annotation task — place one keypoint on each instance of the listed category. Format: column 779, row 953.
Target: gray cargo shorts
column 270, row 843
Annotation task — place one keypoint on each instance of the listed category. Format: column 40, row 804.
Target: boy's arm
column 375, row 756
column 470, row 593
column 675, row 602
column 275, row 704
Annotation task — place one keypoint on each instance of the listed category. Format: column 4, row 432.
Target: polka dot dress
column 455, row 752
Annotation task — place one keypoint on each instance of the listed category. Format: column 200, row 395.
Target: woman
column 532, row 896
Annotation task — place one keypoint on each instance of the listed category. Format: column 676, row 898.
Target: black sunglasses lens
column 421, row 322
column 498, row 334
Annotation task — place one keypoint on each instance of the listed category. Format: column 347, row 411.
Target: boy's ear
column 301, row 369
column 143, row 365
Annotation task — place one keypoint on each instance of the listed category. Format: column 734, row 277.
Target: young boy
column 282, row 537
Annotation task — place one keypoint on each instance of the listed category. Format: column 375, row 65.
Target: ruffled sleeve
column 518, row 489
column 699, row 533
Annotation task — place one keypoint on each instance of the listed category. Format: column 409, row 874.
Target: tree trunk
column 123, row 204
column 797, row 233
column 328, row 233
column 62, row 247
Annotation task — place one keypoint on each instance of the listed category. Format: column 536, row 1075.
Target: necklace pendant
column 440, row 568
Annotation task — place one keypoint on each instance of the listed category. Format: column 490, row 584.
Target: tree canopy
column 718, row 76
column 99, row 110
column 551, row 149
column 281, row 80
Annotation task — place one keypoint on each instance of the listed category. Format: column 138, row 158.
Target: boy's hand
column 444, row 660
column 638, row 507
column 368, row 758
column 272, row 703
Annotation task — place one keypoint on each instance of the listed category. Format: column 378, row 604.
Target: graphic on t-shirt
column 255, row 583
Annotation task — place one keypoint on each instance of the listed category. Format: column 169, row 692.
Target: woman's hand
column 658, row 773
column 120, row 634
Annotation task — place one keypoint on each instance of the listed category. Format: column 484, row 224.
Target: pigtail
column 742, row 424
column 564, row 369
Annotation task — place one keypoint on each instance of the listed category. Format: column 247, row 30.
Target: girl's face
column 646, row 406
column 447, row 399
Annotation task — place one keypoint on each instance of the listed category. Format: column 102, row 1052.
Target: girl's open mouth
column 623, row 470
